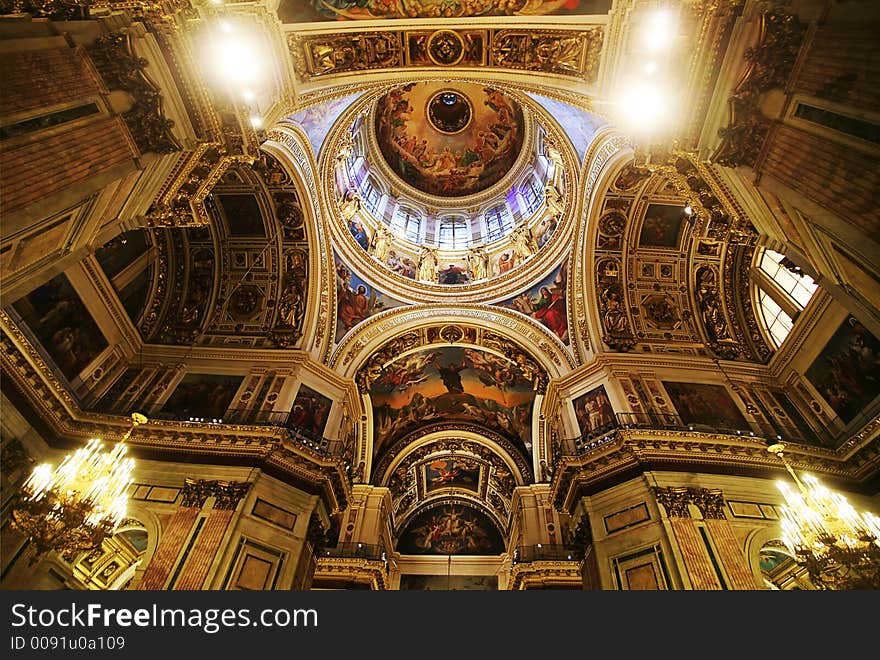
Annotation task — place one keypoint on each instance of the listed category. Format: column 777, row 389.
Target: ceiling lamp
column 75, row 506
column 838, row 546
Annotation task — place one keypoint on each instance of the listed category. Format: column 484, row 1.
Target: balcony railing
column 275, row 418
column 525, row 554
column 598, row 436
column 349, row 550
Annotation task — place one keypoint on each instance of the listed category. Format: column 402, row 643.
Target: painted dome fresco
column 449, row 140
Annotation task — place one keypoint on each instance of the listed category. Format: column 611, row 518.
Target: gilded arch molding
column 499, row 470
column 609, row 155
column 536, row 341
column 289, row 145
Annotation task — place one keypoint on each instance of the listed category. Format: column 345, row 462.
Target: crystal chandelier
column 75, row 506
column 838, row 546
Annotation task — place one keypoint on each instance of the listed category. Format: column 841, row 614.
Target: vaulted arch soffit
column 663, row 258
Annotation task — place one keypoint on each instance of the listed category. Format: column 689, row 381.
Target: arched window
column 783, row 292
column 371, row 195
column 407, row 222
column 532, row 194
column 454, row 233
column 498, row 222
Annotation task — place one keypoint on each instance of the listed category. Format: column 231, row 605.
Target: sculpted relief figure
column 382, row 242
column 428, row 264
column 478, row 263
column 522, row 242
column 553, row 199
column 350, row 204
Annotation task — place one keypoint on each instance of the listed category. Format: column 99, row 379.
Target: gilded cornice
column 544, row 574
column 628, row 450
column 188, row 441
column 372, row 572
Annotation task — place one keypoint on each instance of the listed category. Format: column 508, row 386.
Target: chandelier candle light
column 78, row 504
column 839, row 547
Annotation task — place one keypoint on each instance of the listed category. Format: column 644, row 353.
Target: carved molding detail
column 770, row 65
column 675, row 499
column 227, row 494
column 574, row 53
column 121, row 70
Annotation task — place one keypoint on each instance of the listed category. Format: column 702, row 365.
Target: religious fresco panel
column 847, row 371
column 356, row 300
column 309, row 412
column 594, row 411
column 699, row 403
column 62, row 324
column 201, row 396
column 662, row 226
column 451, row 473
column 450, row 383
column 242, row 213
column 450, row 140
column 545, row 302
column 451, row 529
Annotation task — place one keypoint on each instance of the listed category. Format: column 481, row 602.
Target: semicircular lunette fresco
column 450, row 156
column 451, row 529
column 448, row 384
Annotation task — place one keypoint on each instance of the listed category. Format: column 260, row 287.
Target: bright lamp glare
column 658, row 30
column 257, row 122
column 650, row 68
column 661, row 18
column 643, row 109
column 236, row 61
column 247, row 95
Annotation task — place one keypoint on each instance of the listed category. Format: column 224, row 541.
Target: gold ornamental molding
column 568, row 53
column 270, row 447
column 183, row 202
column 537, row 341
column 351, row 569
column 629, row 451
column 545, row 575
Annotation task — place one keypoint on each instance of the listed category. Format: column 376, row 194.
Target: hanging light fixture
column 75, row 506
column 838, row 546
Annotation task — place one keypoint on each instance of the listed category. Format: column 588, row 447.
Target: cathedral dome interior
column 444, row 295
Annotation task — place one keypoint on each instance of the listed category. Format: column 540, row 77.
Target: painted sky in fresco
column 317, row 120
column 580, row 125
